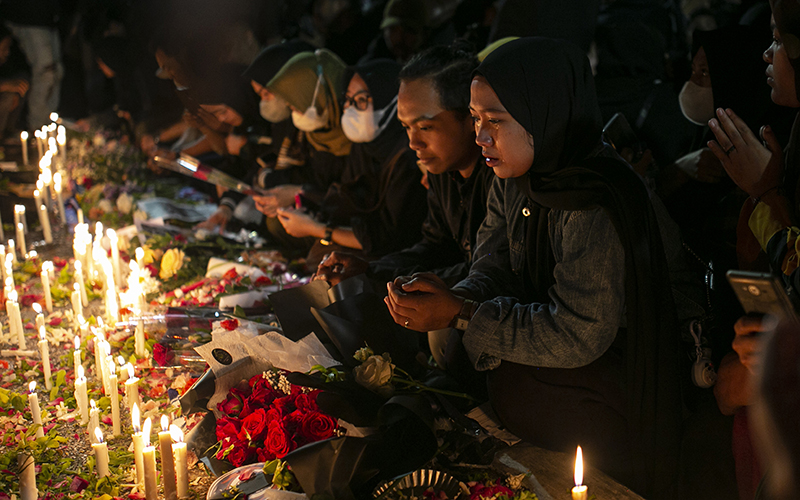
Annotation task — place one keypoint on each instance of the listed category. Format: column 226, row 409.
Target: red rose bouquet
column 268, row 418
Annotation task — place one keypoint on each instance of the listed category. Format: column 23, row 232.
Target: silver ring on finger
column 730, row 150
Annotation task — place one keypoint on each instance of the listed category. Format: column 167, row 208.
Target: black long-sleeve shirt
column 456, row 209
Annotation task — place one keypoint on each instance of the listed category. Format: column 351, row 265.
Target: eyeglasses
column 360, row 101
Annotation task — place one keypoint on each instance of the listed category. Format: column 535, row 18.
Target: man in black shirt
column 433, row 106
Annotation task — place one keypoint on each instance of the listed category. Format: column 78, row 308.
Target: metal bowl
column 417, row 482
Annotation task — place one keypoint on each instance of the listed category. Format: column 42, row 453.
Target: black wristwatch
column 461, row 320
column 328, row 238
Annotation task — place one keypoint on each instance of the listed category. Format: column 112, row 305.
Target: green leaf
column 239, row 312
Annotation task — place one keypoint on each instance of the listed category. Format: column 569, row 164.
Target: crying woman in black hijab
column 569, row 252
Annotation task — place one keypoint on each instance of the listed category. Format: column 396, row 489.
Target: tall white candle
column 131, row 389
column 19, row 217
column 17, row 319
column 23, row 137
column 77, row 307
column 36, row 412
column 167, row 461
column 76, row 355
column 39, row 316
column 181, row 461
column 12, row 251
column 81, row 283
column 12, row 323
column 27, row 477
column 94, row 420
column 115, row 263
column 59, row 187
column 44, row 349
column 80, row 216
column 112, row 378
column 39, row 147
column 82, row 395
column 100, row 453
column 138, row 445
column 21, row 246
column 44, row 218
column 149, row 459
column 45, row 275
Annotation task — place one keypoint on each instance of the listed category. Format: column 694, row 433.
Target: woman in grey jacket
column 568, row 303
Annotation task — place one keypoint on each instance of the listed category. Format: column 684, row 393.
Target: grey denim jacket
column 587, row 302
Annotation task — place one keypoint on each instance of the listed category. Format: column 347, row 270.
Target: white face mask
column 275, row 110
column 697, row 103
column 365, row 126
column 311, row 120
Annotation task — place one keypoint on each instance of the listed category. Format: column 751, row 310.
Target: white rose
column 125, row 203
column 376, row 374
column 105, row 206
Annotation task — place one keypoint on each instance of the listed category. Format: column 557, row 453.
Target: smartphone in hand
column 762, row 293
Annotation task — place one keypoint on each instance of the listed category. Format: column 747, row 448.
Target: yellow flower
column 149, row 255
column 171, row 262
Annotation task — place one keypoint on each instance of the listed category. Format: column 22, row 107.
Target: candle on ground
column 12, row 324
column 23, row 249
column 100, row 453
column 45, row 274
column 138, row 445
column 114, row 242
column 27, row 477
column 77, row 307
column 81, row 283
column 167, row 461
column 131, row 389
column 44, row 219
column 59, row 187
column 82, row 395
column 36, row 412
column 44, row 349
column 149, row 459
column 17, row 319
column 122, row 372
column 76, row 354
column 39, row 316
column 80, row 216
column 19, row 217
column 181, row 461
column 12, row 251
column 23, row 137
column 94, row 419
column 112, row 379
column 39, row 149
column 580, row 491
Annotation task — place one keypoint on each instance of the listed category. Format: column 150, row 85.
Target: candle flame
column 93, row 404
column 23, row 135
column 13, row 295
column 76, row 287
column 32, row 386
column 121, row 361
column 53, row 116
column 177, row 433
column 146, row 430
column 36, row 191
column 164, row 423
column 20, row 209
column 77, row 342
column 36, row 307
column 112, row 235
column 130, row 371
column 579, row 467
column 139, row 253
column 33, row 254
column 136, row 419
column 80, row 372
column 20, row 226
column 99, row 434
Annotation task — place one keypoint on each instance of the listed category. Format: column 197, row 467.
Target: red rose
column 163, row 354
column 307, row 402
column 293, row 420
column 230, row 324
column 230, row 274
column 254, row 426
column 284, row 404
column 234, row 403
column 263, row 281
column 227, row 427
column 264, row 455
column 152, row 269
column 55, row 321
column 241, row 454
column 264, row 394
column 278, row 441
column 317, row 426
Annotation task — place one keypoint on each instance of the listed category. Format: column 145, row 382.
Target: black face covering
column 229, row 88
column 270, row 60
column 546, row 85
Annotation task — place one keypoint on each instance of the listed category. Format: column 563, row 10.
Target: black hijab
column 381, row 77
column 226, row 86
column 547, row 86
column 270, row 60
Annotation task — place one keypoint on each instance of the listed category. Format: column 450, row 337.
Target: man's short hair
column 450, row 69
